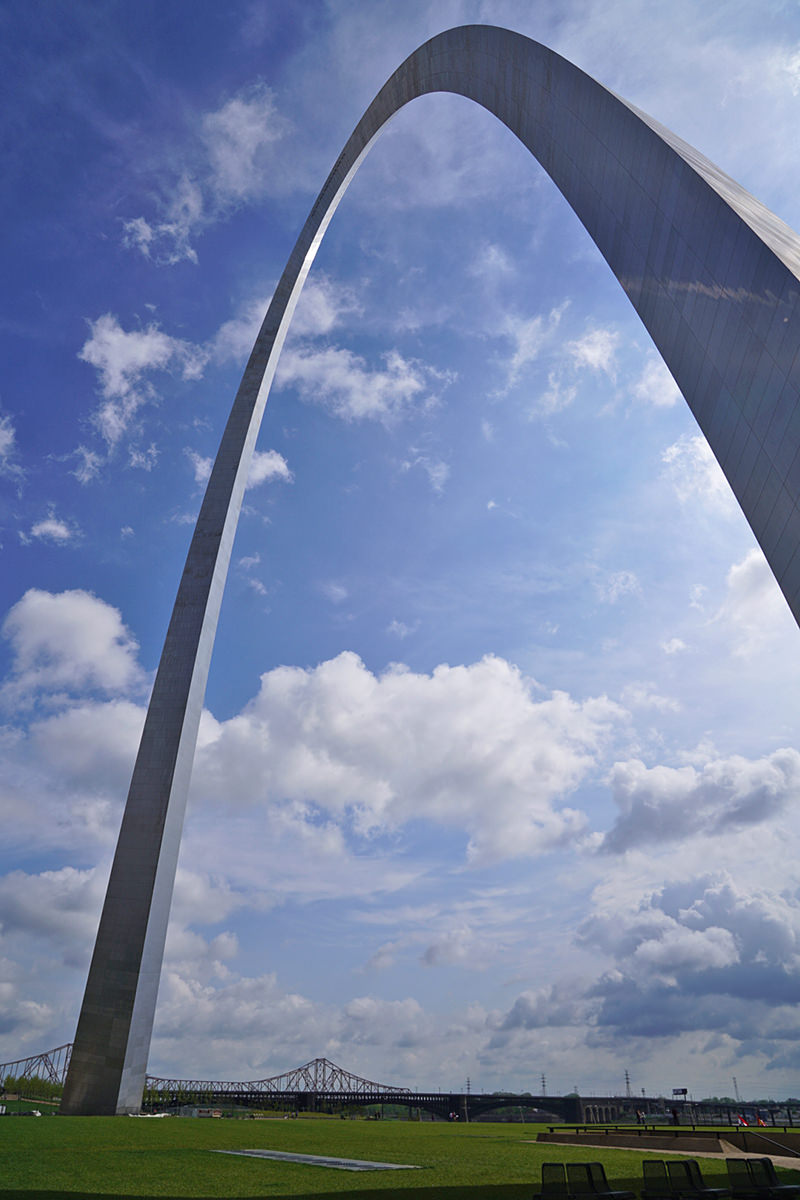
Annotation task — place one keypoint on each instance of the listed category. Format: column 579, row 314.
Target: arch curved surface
column 714, row 277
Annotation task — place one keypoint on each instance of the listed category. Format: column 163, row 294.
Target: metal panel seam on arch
column 714, row 277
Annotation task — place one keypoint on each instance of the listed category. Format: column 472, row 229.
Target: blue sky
column 500, row 762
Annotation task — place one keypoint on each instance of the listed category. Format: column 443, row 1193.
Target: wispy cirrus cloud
column 232, row 149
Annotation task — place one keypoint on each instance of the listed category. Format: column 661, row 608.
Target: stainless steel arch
column 714, row 277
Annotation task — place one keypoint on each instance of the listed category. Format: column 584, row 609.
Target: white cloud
column 665, row 804
column 344, row 383
column 673, row 646
column 337, row 593
column 698, row 954
column 655, row 385
column 143, row 460
column 491, row 263
column 324, row 305
column 755, row 610
column 168, row 241
column 235, row 338
column 401, row 629
column 266, row 465
column 7, row 439
column 596, row 351
column 60, row 905
column 559, row 395
column 614, row 586
column 466, row 747
column 122, row 359
column 201, row 466
column 529, row 337
column 646, row 696
column 53, row 529
column 71, row 641
column 89, row 464
column 696, row 476
column 240, row 138
column 233, row 163
column 436, row 469
column 8, row 450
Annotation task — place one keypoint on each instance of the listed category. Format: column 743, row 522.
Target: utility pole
column 736, row 1091
column 627, row 1083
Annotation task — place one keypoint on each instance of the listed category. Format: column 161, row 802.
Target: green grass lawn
column 106, row 1157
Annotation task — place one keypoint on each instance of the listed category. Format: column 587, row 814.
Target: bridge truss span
column 51, row 1065
column 319, row 1077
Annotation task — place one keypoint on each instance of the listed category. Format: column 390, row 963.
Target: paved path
column 727, row 1151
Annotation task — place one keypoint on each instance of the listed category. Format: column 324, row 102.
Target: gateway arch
column 714, row 277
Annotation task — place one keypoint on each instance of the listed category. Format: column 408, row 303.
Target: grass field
column 105, row 1157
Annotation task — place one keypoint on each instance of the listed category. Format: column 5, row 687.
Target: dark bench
column 577, row 1181
column 756, row 1179
column 677, row 1179
column 589, row 1179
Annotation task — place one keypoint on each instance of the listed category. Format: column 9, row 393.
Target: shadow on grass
column 503, row 1191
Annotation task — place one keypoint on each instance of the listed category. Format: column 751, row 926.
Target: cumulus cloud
column 665, row 804
column 201, row 466
column 553, row 1005
column 655, row 385
column 122, row 360
column 700, row 954
column 60, row 905
column 267, row 465
column 266, row 1029
column 324, row 305
column 466, row 747
column 53, row 529
column 754, row 610
column 348, row 387
column 71, row 642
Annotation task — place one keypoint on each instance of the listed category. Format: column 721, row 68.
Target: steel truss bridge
column 51, row 1065
column 320, row 1085
column 313, row 1081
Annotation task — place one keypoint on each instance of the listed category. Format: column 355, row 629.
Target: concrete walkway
column 726, row 1151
